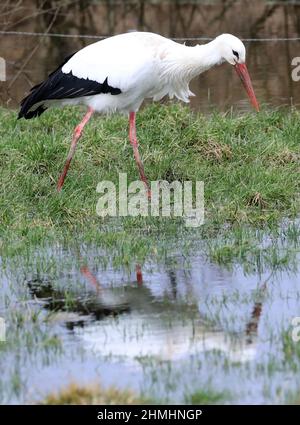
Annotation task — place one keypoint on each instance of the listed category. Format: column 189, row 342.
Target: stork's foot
column 135, row 146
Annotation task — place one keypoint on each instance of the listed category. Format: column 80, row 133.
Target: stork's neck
column 192, row 61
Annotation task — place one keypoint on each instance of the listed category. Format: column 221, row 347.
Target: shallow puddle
column 166, row 329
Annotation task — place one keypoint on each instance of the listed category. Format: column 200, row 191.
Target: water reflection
column 166, row 327
column 171, row 312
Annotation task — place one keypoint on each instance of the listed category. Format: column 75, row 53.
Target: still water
column 167, row 329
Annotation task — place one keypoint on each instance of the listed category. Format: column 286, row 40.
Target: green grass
column 249, row 165
column 207, row 397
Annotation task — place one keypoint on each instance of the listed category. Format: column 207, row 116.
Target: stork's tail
column 32, row 105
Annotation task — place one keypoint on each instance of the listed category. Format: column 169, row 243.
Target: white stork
column 118, row 73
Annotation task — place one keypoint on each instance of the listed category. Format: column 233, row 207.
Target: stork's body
column 118, row 73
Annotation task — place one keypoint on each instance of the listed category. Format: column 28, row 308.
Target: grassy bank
column 249, row 165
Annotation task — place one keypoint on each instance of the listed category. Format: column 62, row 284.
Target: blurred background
column 36, row 35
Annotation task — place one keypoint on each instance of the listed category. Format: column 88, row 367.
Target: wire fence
column 102, row 37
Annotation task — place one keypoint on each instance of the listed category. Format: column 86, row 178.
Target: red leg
column 134, row 144
column 91, row 278
column 76, row 136
column 139, row 274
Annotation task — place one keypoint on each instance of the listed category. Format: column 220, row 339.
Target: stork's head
column 233, row 51
column 231, row 48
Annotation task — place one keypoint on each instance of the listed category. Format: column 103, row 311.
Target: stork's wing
column 58, row 86
column 111, row 66
column 123, row 59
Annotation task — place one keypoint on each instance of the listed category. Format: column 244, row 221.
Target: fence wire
column 102, row 37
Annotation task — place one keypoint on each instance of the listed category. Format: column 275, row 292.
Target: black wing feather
column 61, row 86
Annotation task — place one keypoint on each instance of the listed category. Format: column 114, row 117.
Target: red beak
column 243, row 73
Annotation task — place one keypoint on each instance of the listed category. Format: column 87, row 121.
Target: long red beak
column 243, row 73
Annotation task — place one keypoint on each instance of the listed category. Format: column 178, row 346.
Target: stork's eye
column 235, row 54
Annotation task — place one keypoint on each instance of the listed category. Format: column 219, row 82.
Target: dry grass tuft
column 215, row 151
column 284, row 157
column 75, row 394
column 257, row 200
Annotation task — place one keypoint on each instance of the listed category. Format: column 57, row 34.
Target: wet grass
column 42, row 298
column 207, row 397
column 291, row 350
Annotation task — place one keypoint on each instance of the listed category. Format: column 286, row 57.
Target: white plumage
column 139, row 64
